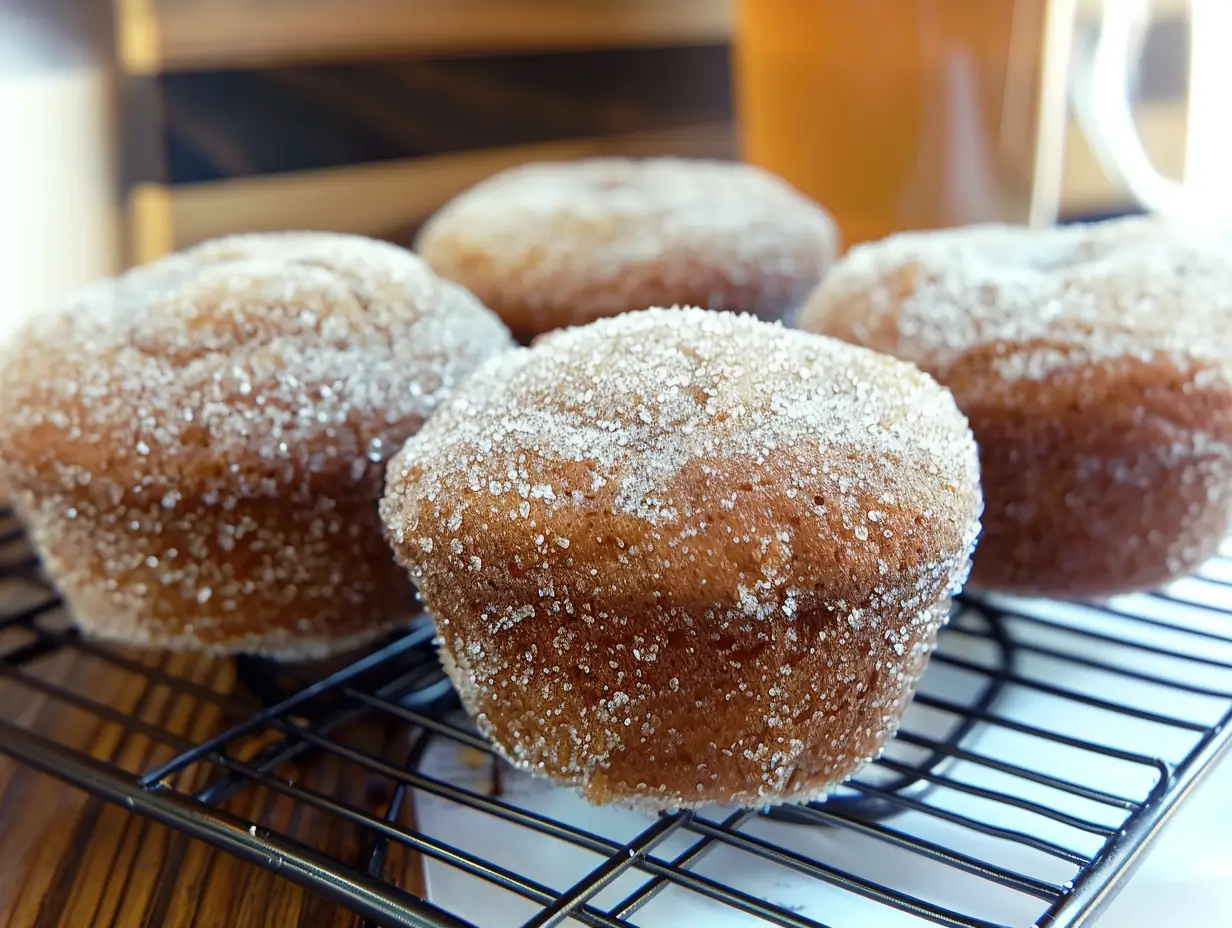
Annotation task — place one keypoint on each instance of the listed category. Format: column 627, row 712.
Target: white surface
column 1187, row 879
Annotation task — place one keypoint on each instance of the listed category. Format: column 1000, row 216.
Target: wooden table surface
column 68, row 859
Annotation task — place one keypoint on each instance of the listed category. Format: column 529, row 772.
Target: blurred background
column 129, row 128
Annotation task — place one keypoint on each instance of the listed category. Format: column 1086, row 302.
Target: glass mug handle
column 1103, row 108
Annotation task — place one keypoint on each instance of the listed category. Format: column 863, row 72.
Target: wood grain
column 168, row 35
column 67, row 859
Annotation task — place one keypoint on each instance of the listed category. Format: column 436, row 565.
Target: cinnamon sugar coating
column 198, row 445
column 1095, row 365
column 555, row 244
column 679, row 557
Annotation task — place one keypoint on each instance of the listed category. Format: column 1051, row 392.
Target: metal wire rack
column 1047, row 746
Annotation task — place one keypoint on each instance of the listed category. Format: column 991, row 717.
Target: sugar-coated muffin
column 198, row 446
column 678, row 557
column 564, row 243
column 1095, row 365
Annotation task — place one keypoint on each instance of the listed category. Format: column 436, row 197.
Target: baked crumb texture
column 198, row 446
column 680, row 557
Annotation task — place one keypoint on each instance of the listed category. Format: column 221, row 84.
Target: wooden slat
column 170, row 35
column 156, row 35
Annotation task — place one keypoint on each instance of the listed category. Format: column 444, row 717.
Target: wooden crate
column 374, row 147
column 365, row 115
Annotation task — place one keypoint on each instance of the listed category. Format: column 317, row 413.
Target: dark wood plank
column 71, row 860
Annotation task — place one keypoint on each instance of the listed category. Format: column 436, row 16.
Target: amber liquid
column 895, row 114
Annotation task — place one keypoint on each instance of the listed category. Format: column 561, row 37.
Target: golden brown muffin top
column 687, row 457
column 1035, row 303
column 568, row 242
column 247, row 362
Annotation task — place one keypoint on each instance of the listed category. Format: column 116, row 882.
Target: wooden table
column 68, row 859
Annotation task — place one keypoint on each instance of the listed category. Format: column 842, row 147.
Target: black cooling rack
column 1048, row 745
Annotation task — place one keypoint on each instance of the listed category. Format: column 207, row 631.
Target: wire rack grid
column 1046, row 748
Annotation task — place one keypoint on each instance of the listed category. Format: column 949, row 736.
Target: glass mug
column 915, row 114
